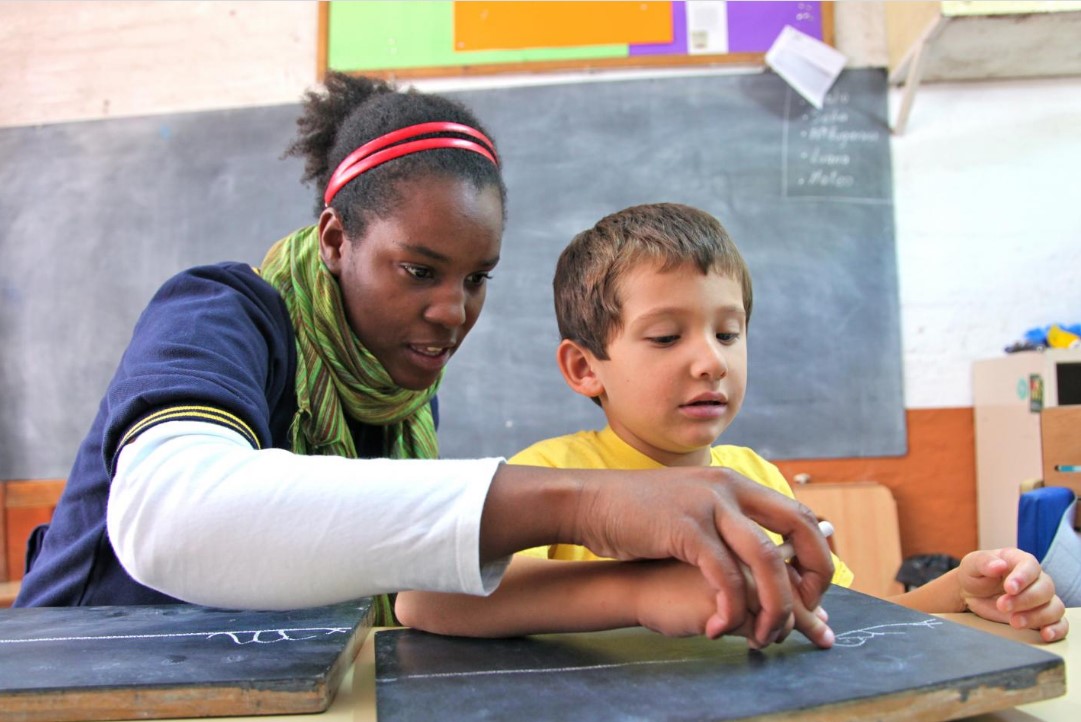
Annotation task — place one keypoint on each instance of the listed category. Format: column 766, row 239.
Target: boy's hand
column 707, row 517
column 813, row 623
column 1008, row 586
column 674, row 599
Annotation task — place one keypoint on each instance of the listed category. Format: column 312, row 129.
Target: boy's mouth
column 706, row 407
column 711, row 399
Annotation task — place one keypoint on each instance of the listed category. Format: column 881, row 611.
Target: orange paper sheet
column 518, row 25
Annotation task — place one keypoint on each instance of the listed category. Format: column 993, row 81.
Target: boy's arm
column 1002, row 585
column 539, row 596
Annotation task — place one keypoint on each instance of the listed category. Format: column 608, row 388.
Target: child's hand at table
column 1008, row 586
column 674, row 599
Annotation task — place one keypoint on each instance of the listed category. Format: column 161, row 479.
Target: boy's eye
column 421, row 273
column 664, row 340
column 728, row 337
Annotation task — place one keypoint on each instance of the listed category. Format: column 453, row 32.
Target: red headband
column 376, row 152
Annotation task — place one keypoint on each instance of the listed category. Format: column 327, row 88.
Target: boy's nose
column 710, row 361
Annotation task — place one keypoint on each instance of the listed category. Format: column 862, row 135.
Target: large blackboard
column 94, row 215
column 888, row 663
column 178, row 660
column 807, row 196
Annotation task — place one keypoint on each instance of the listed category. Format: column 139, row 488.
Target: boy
column 653, row 305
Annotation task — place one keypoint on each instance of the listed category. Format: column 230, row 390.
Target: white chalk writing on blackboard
column 859, row 637
column 824, row 152
column 256, row 636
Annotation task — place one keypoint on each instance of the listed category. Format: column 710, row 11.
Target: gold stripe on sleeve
column 190, row 413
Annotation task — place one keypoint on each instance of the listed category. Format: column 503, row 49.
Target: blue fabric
column 213, row 336
column 1038, row 515
column 1063, row 560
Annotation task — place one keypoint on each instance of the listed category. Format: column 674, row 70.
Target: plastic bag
column 917, row 570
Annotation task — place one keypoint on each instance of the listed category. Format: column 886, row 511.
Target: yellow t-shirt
column 605, row 450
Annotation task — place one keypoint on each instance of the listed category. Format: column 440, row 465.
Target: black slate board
column 888, row 663
column 159, row 661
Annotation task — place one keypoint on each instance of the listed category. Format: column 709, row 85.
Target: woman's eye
column 418, row 272
column 479, row 279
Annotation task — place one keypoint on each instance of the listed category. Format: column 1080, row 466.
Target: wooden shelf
column 946, row 41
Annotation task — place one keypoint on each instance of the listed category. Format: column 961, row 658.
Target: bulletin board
column 440, row 38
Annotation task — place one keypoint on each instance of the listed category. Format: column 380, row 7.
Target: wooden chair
column 23, row 505
column 867, row 535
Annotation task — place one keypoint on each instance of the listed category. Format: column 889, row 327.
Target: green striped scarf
column 336, row 376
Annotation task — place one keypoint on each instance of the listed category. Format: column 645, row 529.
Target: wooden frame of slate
column 889, row 663
column 161, row 661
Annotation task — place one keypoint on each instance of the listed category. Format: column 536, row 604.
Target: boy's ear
column 331, row 239
column 577, row 366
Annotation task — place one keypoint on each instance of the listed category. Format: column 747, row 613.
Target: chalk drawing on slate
column 238, row 637
column 74, row 664
column 851, row 638
column 538, row 670
column 860, row 637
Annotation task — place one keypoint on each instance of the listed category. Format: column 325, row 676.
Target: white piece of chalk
column 788, row 551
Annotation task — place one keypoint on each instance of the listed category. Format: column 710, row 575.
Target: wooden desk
column 355, row 701
column 1059, row 709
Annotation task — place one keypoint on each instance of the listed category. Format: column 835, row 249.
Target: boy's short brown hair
column 588, row 274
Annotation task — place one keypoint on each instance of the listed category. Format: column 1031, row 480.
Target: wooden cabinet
column 1021, row 405
column 1060, row 442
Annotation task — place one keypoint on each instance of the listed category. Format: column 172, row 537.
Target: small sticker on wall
column 1035, row 393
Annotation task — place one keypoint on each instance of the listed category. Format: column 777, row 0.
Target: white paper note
column 806, row 63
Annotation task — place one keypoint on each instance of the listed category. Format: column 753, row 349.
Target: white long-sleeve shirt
column 195, row 512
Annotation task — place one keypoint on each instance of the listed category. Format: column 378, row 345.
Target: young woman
column 268, row 440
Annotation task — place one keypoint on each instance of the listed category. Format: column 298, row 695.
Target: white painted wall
column 987, row 198
column 90, row 59
column 988, row 201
